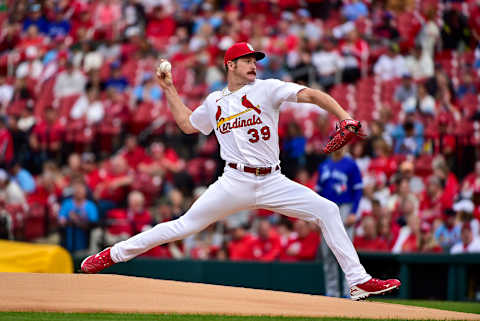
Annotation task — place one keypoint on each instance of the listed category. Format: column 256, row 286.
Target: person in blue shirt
column 117, row 80
column 76, row 215
column 35, row 18
column 24, row 179
column 354, row 10
column 340, row 181
column 448, row 233
column 209, row 17
column 148, row 90
column 274, row 69
column 409, row 136
column 59, row 28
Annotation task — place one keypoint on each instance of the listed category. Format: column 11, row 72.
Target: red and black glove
column 346, row 130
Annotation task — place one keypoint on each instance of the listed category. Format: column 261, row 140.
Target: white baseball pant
column 235, row 191
column 330, row 265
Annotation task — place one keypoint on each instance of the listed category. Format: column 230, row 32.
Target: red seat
column 34, row 222
column 66, row 104
column 45, row 97
column 423, row 166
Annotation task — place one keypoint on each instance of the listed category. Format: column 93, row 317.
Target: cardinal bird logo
column 246, row 103
column 219, row 113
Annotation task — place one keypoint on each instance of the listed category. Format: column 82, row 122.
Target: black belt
column 258, row 171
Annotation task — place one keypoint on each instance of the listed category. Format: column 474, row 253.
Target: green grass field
column 469, row 307
column 41, row 316
column 38, row 316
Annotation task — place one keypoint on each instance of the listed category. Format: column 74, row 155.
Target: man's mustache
column 252, row 73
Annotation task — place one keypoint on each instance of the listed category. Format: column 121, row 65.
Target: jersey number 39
column 264, row 131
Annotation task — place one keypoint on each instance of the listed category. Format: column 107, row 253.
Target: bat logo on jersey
column 223, row 123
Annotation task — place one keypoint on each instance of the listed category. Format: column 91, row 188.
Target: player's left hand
column 347, row 129
column 350, row 220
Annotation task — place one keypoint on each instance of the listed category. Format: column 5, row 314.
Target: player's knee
column 325, row 210
column 332, row 208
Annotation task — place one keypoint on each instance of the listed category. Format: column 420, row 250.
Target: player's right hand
column 164, row 78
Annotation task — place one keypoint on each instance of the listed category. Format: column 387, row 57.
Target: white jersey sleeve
column 281, row 91
column 200, row 119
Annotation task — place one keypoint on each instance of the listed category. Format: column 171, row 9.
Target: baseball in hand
column 164, row 67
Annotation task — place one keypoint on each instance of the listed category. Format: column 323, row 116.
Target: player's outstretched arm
column 347, row 128
column 181, row 113
column 324, row 100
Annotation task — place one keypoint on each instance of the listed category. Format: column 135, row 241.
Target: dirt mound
column 114, row 293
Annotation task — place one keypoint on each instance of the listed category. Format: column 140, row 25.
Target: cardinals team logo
column 223, row 123
column 219, row 113
column 246, row 103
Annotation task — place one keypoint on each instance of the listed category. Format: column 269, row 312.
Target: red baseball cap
column 241, row 49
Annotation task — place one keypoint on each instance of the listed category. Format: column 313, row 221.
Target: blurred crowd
column 90, row 155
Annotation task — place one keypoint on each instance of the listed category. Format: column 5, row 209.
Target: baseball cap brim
column 257, row 54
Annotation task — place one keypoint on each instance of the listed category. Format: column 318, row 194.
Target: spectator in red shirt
column 107, row 16
column 6, row 144
column 163, row 161
column 304, row 246
column 267, row 246
column 161, row 25
column 133, row 153
column 241, row 246
column 32, row 39
column 434, row 200
column 382, row 162
column 81, row 24
column 48, row 189
column 47, row 135
column 370, row 241
column 9, row 36
column 448, row 179
column 388, row 230
column 355, row 52
column 113, row 185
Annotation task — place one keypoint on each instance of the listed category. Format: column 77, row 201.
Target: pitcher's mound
column 114, row 293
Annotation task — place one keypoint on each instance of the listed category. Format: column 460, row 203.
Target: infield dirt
column 114, row 293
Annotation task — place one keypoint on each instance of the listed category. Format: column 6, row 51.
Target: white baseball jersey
column 246, row 120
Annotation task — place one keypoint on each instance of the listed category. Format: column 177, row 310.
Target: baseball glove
column 345, row 131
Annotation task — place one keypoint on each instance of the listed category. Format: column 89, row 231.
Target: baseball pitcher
column 244, row 118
